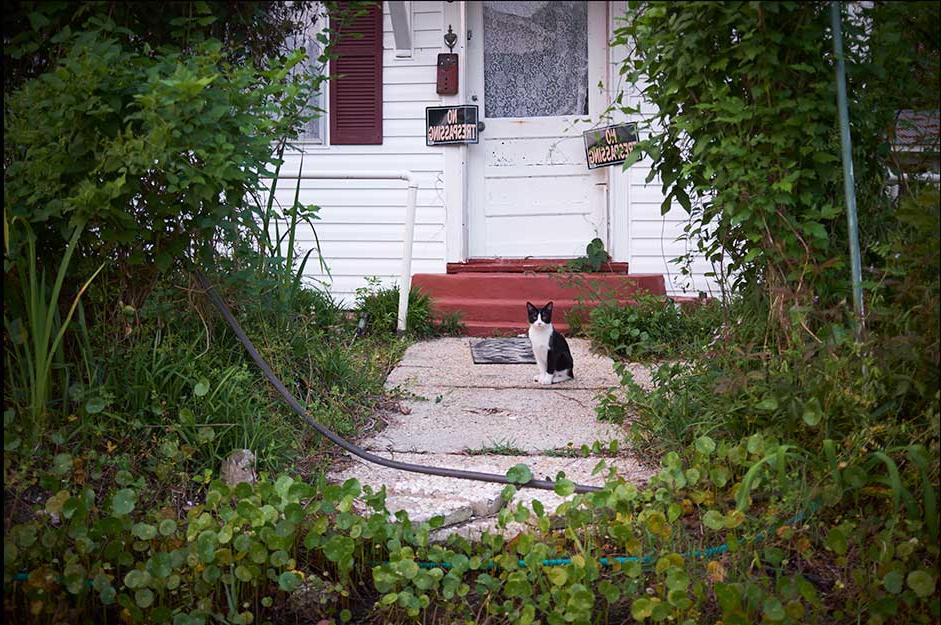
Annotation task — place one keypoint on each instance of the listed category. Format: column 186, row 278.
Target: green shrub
column 652, row 327
column 156, row 151
column 381, row 304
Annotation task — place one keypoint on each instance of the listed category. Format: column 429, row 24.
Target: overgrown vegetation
column 798, row 477
column 653, row 327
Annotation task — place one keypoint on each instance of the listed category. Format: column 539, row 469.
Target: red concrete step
column 498, row 309
column 523, row 265
column 537, row 287
column 494, row 303
column 499, row 328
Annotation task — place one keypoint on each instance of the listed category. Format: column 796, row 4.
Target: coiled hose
column 337, row 440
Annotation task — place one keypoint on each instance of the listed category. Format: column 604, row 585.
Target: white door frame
column 455, row 157
column 471, row 82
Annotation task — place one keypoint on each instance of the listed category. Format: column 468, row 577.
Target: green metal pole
column 849, row 180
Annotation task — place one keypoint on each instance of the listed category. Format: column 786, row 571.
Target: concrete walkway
column 488, row 418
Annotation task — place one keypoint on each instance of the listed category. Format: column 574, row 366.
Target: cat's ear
column 530, row 307
column 548, row 308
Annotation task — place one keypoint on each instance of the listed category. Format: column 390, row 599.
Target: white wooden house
column 541, row 74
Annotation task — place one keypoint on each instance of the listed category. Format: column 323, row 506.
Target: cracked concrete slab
column 448, row 362
column 456, row 405
column 424, row 496
column 454, row 419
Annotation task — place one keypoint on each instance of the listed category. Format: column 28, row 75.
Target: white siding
column 361, row 222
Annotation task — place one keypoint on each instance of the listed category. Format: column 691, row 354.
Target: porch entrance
column 533, row 68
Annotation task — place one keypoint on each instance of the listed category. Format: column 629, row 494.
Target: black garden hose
column 338, row 440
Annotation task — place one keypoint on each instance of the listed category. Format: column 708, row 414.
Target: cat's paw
column 545, row 379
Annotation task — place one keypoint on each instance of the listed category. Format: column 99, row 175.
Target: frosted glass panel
column 535, row 59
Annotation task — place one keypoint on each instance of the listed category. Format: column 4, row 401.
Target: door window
column 535, row 59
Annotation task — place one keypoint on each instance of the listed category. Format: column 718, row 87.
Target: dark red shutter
column 356, row 90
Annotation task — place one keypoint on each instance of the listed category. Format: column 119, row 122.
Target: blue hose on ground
column 709, row 552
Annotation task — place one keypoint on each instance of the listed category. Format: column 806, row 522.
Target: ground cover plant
column 798, row 477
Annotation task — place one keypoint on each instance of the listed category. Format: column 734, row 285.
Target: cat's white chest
column 539, row 337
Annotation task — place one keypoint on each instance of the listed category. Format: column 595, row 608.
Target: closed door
column 534, row 69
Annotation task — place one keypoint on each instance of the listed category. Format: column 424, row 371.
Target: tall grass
column 37, row 339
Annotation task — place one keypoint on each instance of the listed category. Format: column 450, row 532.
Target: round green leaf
column 136, row 579
column 202, row 388
column 167, row 527
column 55, row 503
column 563, row 487
column 95, row 405
column 144, row 597
column 517, row 585
column 243, row 573
column 280, row 558
column 642, row 608
column 144, row 531
column 123, row 502
column 62, row 463
column 519, row 474
column 892, row 582
column 557, row 575
column 922, row 582
column 705, row 445
column 288, row 581
column 768, row 404
column 714, row 520
column 773, row 609
column 812, row 415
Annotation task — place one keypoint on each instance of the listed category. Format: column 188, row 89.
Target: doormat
column 510, row 351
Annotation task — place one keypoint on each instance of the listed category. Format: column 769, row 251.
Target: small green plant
column 593, row 261
column 450, row 324
column 381, row 304
column 497, row 447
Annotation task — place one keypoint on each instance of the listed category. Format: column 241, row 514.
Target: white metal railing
column 408, row 234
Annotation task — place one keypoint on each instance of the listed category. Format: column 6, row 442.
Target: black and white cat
column 549, row 347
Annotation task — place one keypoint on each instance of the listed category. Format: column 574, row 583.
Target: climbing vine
column 745, row 134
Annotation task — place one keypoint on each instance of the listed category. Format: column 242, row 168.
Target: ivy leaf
column 519, row 474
